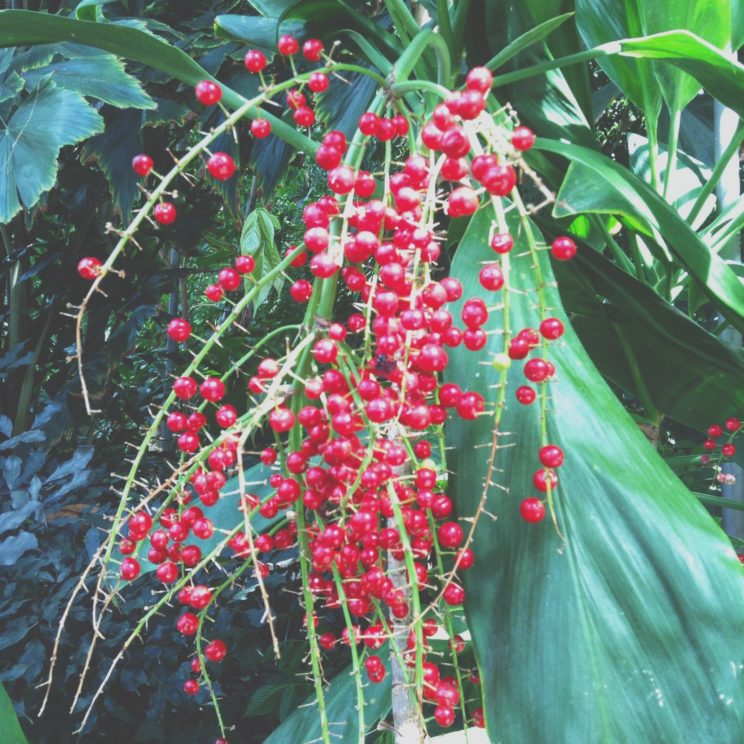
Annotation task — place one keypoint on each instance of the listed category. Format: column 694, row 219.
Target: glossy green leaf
column 257, row 240
column 102, row 77
column 340, row 699
column 689, row 374
column 30, row 141
column 10, row 729
column 627, row 626
column 601, row 21
column 256, row 31
column 603, row 179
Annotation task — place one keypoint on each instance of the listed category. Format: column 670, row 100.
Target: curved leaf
column 31, row 139
column 102, row 77
column 603, row 178
column 10, row 729
column 689, row 374
column 630, row 628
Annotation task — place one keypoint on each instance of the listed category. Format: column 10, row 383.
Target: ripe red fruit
column 709, row 444
column 502, row 242
column 184, row 387
column 260, row 128
column 226, row 416
column 732, row 424
column 89, row 267
column 212, row 389
column 288, row 45
column 491, row 278
column 465, row 559
column 221, row 166
column 130, row 569
column 368, row 123
column 500, row 180
column 179, row 329
column 728, row 449
column 532, row 510
column 551, row 456
column 215, row 650
column 474, row 312
column 191, row 687
column 207, row 92
column 229, row 279
column 167, row 572
column 479, row 720
column 245, row 264
column 563, row 249
column 341, row 180
column 450, row 535
column 714, row 430
column 526, row 395
column 444, row 716
column 187, row 624
column 318, row 82
column 142, row 164
column 255, row 60
column 454, row 143
column 536, row 370
column 453, row 594
column 480, row 79
column 312, row 49
column 523, row 138
column 301, row 291
column 551, row 328
column 463, row 201
column 281, row 419
column 469, row 104
column 544, row 477
column 214, row 293
column 164, row 213
column 304, row 116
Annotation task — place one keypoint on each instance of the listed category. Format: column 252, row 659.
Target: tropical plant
column 394, row 476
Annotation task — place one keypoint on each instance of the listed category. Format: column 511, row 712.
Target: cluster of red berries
column 731, row 427
column 363, row 471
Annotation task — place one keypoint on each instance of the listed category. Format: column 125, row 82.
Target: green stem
column 653, row 153
column 570, row 59
column 672, row 145
column 715, row 176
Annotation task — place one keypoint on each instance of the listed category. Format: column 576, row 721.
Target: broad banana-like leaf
column 623, row 623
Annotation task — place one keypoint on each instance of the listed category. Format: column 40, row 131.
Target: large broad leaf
column 340, row 699
column 10, row 729
column 30, row 141
column 600, row 21
column 601, row 185
column 628, row 626
column 102, row 77
column 689, row 374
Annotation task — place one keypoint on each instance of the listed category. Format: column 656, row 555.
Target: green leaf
column 604, row 179
column 627, row 630
column 31, row 139
column 255, row 31
column 690, row 374
column 101, row 77
column 600, row 21
column 10, row 730
column 340, row 699
column 257, row 240
column 526, row 40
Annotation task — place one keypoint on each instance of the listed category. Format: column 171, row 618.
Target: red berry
column 453, row 594
column 526, row 395
column 563, row 249
column 164, row 213
column 191, row 687
column 245, row 264
column 184, row 387
column 229, row 279
column 523, row 138
column 709, row 444
column 179, row 329
column 167, row 572
column 255, row 60
column 301, row 291
column 450, row 535
column 551, row 456
column 444, row 716
column 312, row 49
column 368, row 123
column 221, row 166
column 532, row 510
column 536, row 370
column 732, row 424
column 142, row 164
column 215, row 650
column 502, row 242
column 89, row 267
column 463, row 201
column 728, row 449
column 714, row 430
column 500, row 180
column 491, row 278
column 281, row 419
column 551, row 328
column 214, row 293
column 207, row 92
column 480, row 79
column 226, row 416
column 304, row 116
column 212, row 389
column 130, row 569
column 288, row 45
column 318, row 82
column 260, row 128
